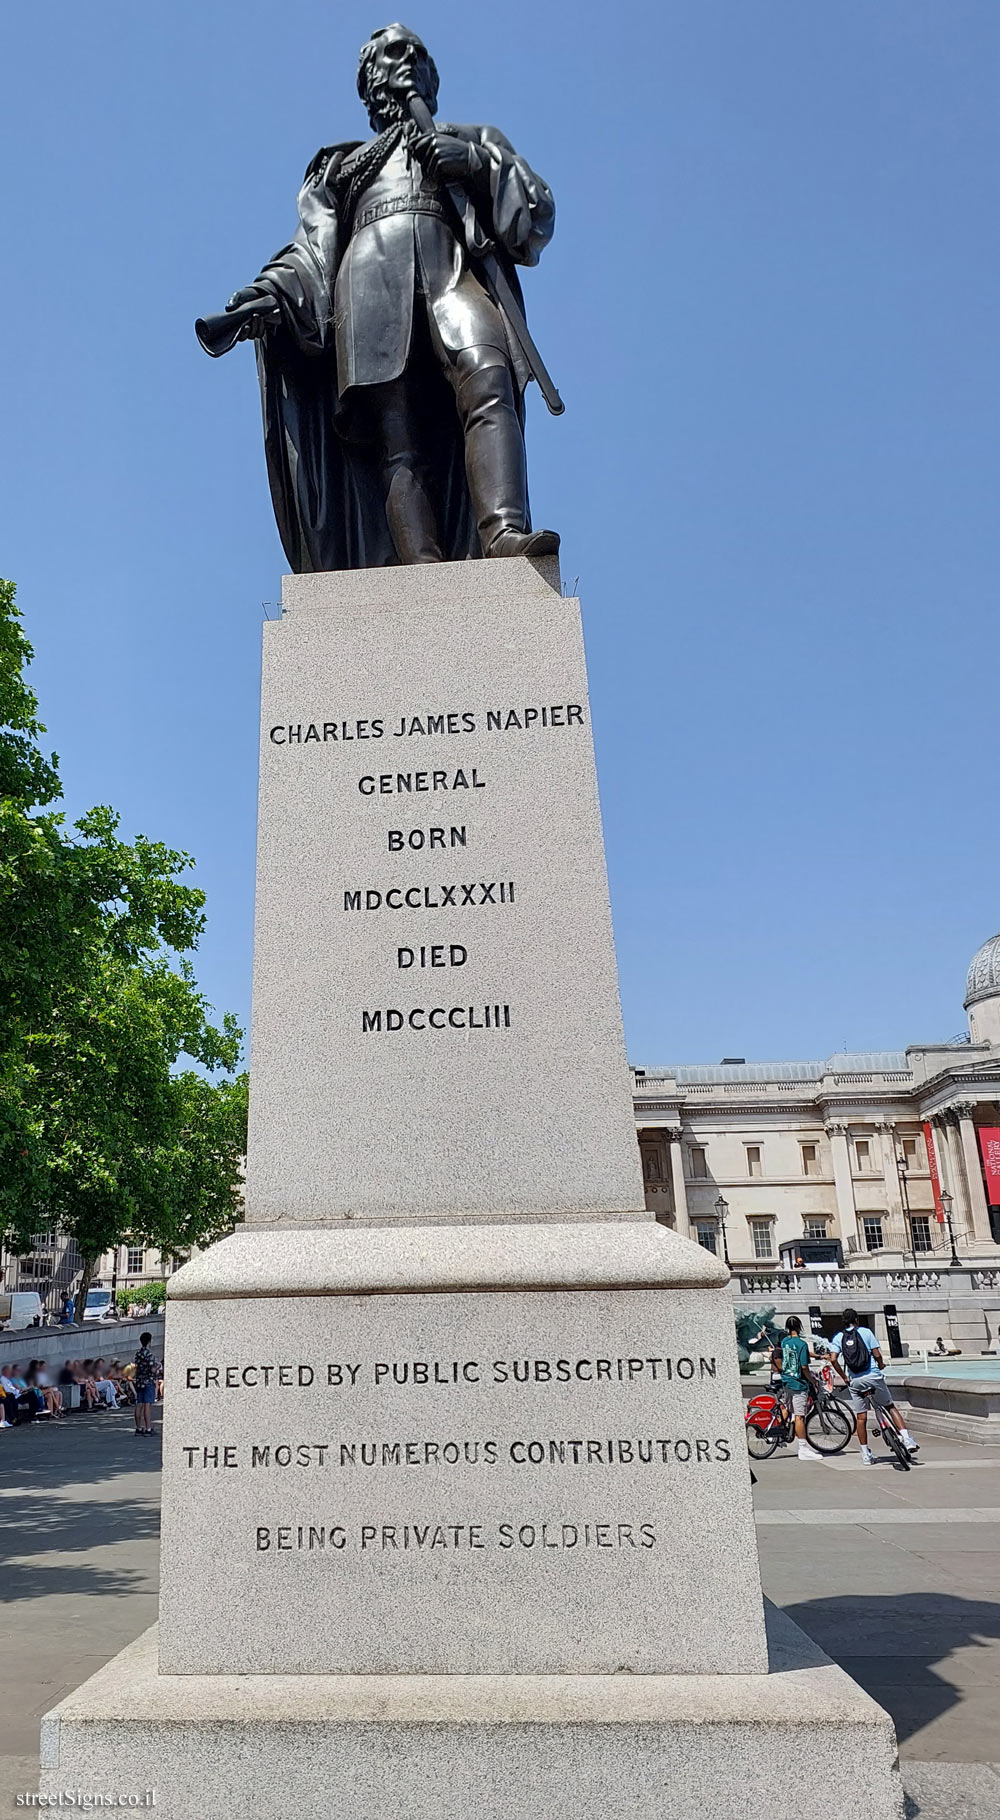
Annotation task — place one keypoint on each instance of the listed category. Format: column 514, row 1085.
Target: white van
column 20, row 1308
column 99, row 1306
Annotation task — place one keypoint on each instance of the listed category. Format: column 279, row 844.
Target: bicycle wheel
column 762, row 1442
column 895, row 1444
column 829, row 1427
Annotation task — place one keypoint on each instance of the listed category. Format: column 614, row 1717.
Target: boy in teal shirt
column 795, row 1379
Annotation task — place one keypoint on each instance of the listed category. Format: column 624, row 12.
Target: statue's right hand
column 265, row 316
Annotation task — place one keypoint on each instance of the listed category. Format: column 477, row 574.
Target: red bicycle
column 770, row 1424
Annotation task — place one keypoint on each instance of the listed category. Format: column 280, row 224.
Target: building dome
column 984, row 974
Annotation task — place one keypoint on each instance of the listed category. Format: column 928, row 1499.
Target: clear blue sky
column 771, row 305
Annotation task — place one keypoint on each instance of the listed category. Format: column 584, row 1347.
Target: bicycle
column 770, row 1424
column 884, row 1423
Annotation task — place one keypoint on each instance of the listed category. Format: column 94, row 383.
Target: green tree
column 99, row 1132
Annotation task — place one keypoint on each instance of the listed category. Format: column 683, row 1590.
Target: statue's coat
column 323, row 474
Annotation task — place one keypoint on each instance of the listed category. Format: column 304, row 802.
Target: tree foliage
column 99, row 1131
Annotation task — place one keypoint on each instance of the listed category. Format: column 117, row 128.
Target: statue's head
column 392, row 63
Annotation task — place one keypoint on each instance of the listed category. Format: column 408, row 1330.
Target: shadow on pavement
column 80, row 1450
column 893, row 1646
column 41, row 1525
column 60, row 1503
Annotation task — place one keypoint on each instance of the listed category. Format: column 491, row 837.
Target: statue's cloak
column 324, row 476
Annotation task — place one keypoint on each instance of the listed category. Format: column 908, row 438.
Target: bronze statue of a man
column 391, row 343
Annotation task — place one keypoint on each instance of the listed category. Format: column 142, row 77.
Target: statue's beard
column 388, row 106
column 387, row 109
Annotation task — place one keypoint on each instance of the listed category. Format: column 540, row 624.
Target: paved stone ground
column 896, row 1575
column 79, row 1564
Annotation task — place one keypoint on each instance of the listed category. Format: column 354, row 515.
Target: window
column 699, row 1167
column 920, row 1232
column 754, row 1166
column 815, row 1229
column 36, row 1268
column 706, row 1236
column 135, row 1261
column 912, row 1158
column 810, row 1159
column 871, row 1231
column 763, row 1240
column 863, row 1153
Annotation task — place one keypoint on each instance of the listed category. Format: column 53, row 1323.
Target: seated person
column 29, row 1400
column 88, row 1388
column 52, row 1396
column 34, row 1389
column 105, row 1388
column 10, row 1396
column 122, row 1383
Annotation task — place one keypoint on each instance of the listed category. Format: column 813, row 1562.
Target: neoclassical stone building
column 861, row 1151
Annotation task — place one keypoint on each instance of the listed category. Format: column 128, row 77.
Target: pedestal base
column 800, row 1743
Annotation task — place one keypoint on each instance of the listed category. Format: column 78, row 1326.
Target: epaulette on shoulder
column 326, row 152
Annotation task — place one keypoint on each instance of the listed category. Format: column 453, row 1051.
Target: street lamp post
column 946, row 1206
column 722, row 1214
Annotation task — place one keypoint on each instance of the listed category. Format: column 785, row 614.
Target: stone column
column 978, row 1209
column 682, row 1223
column 955, row 1174
column 886, row 1129
column 846, row 1211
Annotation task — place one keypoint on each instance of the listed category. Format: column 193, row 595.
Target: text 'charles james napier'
column 495, row 720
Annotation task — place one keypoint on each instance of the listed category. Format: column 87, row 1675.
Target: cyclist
column 857, row 1358
column 796, row 1381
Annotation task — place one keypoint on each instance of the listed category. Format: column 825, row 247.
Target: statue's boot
column 495, row 466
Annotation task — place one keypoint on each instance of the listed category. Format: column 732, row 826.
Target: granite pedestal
column 801, row 1742
column 436, row 1021
column 456, row 1501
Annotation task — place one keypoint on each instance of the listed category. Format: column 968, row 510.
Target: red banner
column 935, row 1178
column 989, row 1148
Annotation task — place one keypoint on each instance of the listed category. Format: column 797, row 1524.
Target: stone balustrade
column 855, row 1284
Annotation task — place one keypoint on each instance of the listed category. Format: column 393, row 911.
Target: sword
column 497, row 282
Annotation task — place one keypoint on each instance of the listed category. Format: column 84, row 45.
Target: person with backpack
column 857, row 1358
column 792, row 1359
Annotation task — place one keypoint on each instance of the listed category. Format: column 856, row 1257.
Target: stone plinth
column 474, row 1451
column 456, row 1500
column 802, row 1742
column 436, row 1021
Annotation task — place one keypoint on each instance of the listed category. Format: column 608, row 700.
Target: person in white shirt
column 858, row 1360
column 9, row 1394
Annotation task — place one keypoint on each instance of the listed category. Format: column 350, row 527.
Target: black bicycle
column 886, row 1427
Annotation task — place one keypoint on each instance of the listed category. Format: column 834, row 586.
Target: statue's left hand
column 447, row 157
